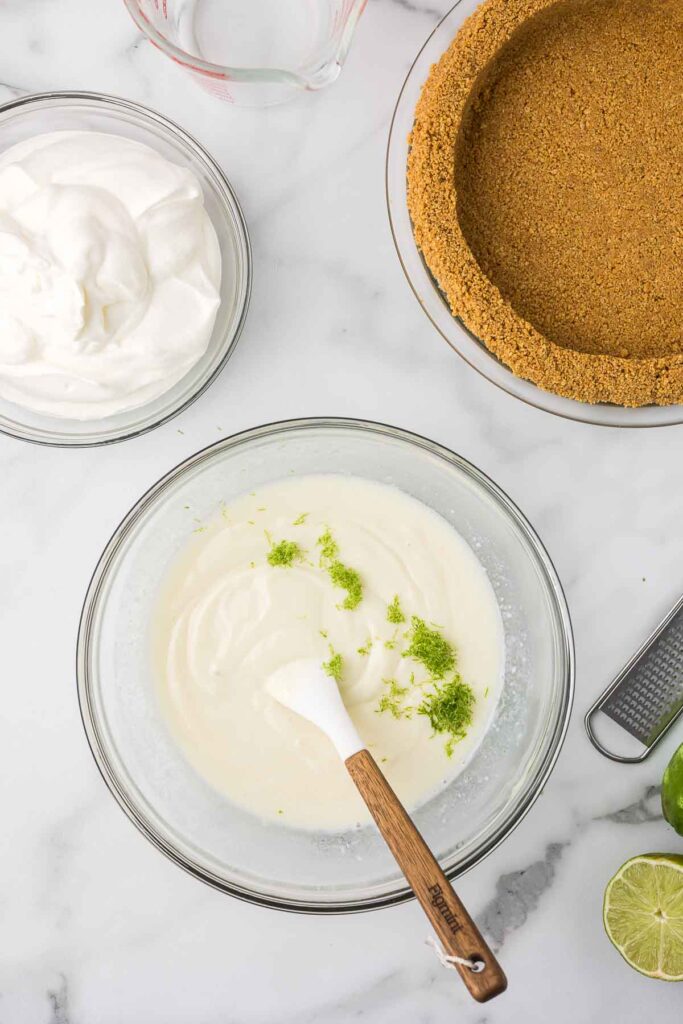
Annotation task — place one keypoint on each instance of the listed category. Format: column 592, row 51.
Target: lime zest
column 392, row 642
column 285, row 553
column 329, row 549
column 335, row 666
column 342, row 576
column 395, row 612
column 347, row 579
column 449, row 707
column 392, row 700
column 430, row 648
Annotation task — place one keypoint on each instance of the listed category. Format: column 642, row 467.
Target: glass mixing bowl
column 82, row 111
column 425, row 287
column 266, row 862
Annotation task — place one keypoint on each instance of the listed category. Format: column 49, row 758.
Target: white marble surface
column 95, row 926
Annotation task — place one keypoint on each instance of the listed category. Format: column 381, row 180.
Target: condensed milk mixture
column 377, row 587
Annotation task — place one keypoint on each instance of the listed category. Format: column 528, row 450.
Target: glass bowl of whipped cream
column 420, row 587
column 125, row 269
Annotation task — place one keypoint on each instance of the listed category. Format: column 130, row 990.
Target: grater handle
column 612, row 755
column 604, row 697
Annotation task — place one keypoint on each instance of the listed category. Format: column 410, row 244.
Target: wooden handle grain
column 456, row 930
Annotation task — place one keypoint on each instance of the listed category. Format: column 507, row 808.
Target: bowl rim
column 569, row 409
column 100, row 576
column 68, row 97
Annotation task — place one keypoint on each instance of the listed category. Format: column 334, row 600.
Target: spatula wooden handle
column 456, row 930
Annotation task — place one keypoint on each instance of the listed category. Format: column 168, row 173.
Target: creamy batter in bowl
column 256, row 856
column 372, row 584
column 164, row 233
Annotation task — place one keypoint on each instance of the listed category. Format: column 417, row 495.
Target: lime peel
column 672, row 791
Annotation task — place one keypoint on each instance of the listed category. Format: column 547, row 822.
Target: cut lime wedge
column 643, row 914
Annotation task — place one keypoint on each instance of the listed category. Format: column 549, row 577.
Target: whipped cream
column 110, row 272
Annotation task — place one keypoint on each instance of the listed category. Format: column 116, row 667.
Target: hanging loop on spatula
column 450, row 961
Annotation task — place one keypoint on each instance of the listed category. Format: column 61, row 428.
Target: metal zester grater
column 646, row 698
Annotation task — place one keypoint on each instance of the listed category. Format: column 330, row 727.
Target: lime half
column 672, row 791
column 643, row 914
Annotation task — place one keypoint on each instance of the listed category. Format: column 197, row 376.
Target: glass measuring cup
column 252, row 52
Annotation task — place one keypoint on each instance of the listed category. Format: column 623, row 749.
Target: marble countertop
column 96, row 927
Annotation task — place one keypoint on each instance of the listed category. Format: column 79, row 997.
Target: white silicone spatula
column 303, row 687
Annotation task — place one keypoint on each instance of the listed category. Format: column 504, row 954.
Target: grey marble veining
column 95, row 926
column 519, row 894
column 59, row 1002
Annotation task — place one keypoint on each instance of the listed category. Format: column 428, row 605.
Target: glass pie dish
column 81, row 111
column 425, row 286
column 271, row 863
